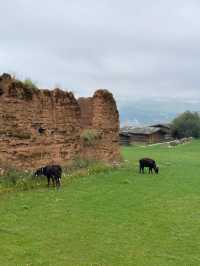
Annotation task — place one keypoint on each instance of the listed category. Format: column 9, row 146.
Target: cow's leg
column 48, row 180
column 53, row 180
column 140, row 169
column 57, row 182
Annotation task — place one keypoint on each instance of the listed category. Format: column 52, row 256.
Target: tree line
column 186, row 124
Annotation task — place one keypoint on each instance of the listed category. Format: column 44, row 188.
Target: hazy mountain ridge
column 149, row 111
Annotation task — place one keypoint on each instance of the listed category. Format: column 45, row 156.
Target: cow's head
column 156, row 169
column 38, row 172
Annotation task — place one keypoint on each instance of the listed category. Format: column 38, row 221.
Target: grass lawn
column 115, row 218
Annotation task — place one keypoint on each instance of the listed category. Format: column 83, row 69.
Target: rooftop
column 139, row 130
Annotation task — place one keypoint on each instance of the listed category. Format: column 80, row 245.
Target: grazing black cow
column 147, row 162
column 52, row 172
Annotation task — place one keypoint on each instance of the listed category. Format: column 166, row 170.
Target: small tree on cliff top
column 186, row 125
column 30, row 84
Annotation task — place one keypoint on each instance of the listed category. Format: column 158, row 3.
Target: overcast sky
column 135, row 48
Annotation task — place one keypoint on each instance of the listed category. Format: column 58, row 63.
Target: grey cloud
column 134, row 48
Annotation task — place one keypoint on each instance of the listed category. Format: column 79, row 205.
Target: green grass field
column 118, row 217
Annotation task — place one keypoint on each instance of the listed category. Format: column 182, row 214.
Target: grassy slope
column 117, row 218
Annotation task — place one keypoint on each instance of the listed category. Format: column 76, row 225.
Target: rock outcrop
column 38, row 127
column 99, row 114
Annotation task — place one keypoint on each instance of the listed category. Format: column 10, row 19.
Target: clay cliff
column 38, row 127
column 100, row 115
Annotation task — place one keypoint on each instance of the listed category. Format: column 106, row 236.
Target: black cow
column 52, row 172
column 147, row 162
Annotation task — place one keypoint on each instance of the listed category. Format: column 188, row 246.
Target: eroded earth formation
column 39, row 127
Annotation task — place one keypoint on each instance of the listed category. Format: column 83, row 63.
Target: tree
column 186, row 125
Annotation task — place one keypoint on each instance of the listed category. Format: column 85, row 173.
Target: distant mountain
column 149, row 111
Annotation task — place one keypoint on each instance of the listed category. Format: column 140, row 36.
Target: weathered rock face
column 100, row 114
column 38, row 127
column 86, row 105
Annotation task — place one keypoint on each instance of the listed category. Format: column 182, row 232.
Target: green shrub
column 80, row 163
column 30, row 84
column 186, row 125
column 99, row 167
column 29, row 88
column 90, row 136
column 20, row 181
column 17, row 180
column 84, row 167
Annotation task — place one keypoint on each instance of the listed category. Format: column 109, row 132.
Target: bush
column 13, row 180
column 30, row 84
column 80, row 163
column 90, row 136
column 81, row 167
column 99, row 167
column 17, row 180
column 29, row 89
column 186, row 125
